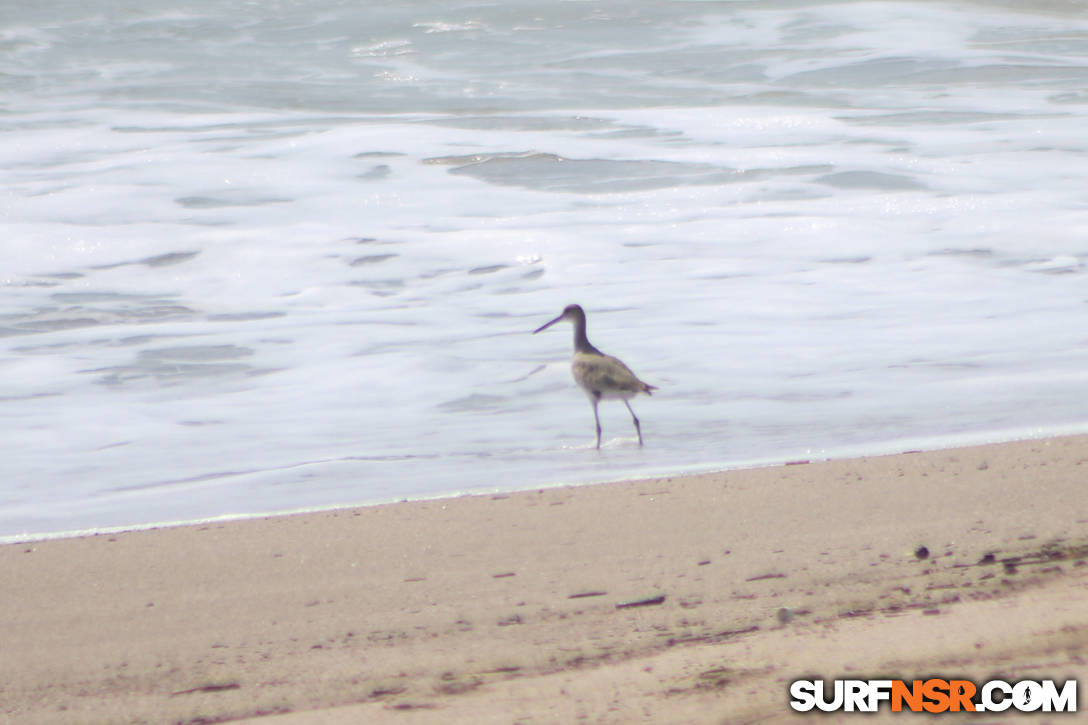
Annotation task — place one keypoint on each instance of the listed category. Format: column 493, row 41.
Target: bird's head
column 573, row 313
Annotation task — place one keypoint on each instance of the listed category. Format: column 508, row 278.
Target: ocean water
column 273, row 255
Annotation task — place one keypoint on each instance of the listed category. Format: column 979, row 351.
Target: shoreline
column 686, row 598
column 858, row 451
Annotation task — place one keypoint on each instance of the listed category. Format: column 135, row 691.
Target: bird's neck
column 581, row 342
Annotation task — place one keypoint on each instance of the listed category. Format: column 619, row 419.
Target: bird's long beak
column 546, row 325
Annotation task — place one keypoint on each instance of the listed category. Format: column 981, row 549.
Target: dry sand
column 507, row 608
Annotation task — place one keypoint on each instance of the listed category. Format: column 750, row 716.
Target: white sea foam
column 286, row 258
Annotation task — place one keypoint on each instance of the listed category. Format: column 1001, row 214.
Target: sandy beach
column 693, row 599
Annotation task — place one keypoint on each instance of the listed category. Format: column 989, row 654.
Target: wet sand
column 686, row 599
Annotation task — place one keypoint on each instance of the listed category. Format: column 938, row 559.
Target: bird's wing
column 606, row 374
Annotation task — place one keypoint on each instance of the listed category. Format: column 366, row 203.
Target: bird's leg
column 597, row 419
column 638, row 428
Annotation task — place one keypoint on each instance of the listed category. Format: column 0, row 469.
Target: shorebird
column 603, row 377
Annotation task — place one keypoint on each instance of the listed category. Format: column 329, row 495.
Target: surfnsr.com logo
column 934, row 695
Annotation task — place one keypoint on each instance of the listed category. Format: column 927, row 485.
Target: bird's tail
column 646, row 388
